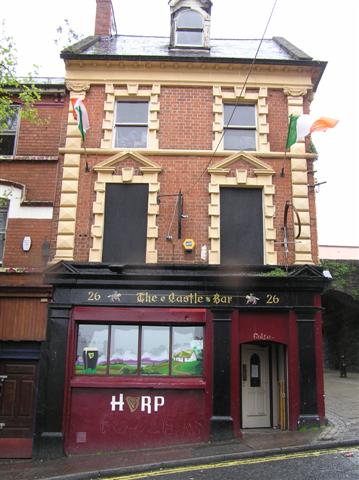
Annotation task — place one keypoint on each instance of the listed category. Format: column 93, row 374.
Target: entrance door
column 255, row 386
column 17, row 402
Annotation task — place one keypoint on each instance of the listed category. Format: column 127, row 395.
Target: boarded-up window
column 241, row 226
column 125, row 230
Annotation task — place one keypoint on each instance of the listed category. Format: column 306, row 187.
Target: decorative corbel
column 78, row 87
column 295, row 91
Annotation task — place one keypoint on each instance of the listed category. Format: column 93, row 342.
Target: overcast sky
column 322, row 28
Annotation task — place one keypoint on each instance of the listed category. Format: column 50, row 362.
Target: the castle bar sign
column 175, row 298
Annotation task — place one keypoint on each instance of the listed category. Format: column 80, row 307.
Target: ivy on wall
column 345, row 276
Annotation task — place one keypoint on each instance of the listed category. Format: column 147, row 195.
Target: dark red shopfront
column 120, row 411
column 147, row 363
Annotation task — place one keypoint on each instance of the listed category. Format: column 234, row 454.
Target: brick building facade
column 28, row 173
column 186, row 292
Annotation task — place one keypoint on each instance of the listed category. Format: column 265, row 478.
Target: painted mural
column 139, row 350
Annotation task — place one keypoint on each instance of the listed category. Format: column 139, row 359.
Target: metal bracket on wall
column 180, row 214
column 286, row 241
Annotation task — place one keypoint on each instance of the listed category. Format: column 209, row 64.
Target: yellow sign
column 188, row 244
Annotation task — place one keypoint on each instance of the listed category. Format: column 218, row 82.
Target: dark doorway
column 17, row 406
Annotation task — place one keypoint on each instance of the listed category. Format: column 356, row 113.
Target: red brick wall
column 94, row 102
column 16, row 230
column 186, row 118
column 283, row 192
column 42, row 138
column 103, row 17
column 181, row 173
column 39, row 177
column 189, row 128
column 185, row 174
column 277, row 119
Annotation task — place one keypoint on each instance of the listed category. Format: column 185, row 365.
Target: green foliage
column 25, row 92
column 276, row 272
column 4, row 198
column 342, row 273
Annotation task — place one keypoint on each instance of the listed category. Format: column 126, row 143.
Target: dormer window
column 189, row 29
column 190, row 24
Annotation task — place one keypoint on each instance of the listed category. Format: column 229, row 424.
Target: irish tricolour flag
column 81, row 116
column 302, row 125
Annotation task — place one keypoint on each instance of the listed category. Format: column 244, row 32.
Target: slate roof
column 131, row 47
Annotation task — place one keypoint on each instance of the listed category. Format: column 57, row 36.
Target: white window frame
column 130, row 124
column 189, row 29
column 237, row 127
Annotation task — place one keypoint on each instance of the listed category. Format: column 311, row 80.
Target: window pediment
column 258, row 166
column 146, row 165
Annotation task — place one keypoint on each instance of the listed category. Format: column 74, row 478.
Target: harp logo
column 145, row 403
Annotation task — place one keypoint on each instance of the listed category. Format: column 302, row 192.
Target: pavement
column 342, row 411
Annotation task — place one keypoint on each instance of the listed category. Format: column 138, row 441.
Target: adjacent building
column 28, row 173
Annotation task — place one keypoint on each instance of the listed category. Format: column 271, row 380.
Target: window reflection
column 240, row 132
column 189, row 19
column 189, row 27
column 131, row 137
column 239, row 139
column 189, row 38
column 131, row 124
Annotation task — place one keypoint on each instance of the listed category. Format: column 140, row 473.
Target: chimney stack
column 104, row 17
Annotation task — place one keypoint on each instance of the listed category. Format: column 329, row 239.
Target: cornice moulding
column 185, row 153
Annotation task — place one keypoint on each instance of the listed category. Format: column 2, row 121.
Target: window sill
column 157, row 383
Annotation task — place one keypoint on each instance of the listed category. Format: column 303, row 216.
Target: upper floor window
column 241, row 226
column 8, row 132
column 240, row 127
column 131, row 124
column 144, row 350
column 4, row 208
column 189, row 28
column 125, row 227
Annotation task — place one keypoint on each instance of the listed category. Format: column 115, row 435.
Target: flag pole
column 87, row 168
column 81, row 116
